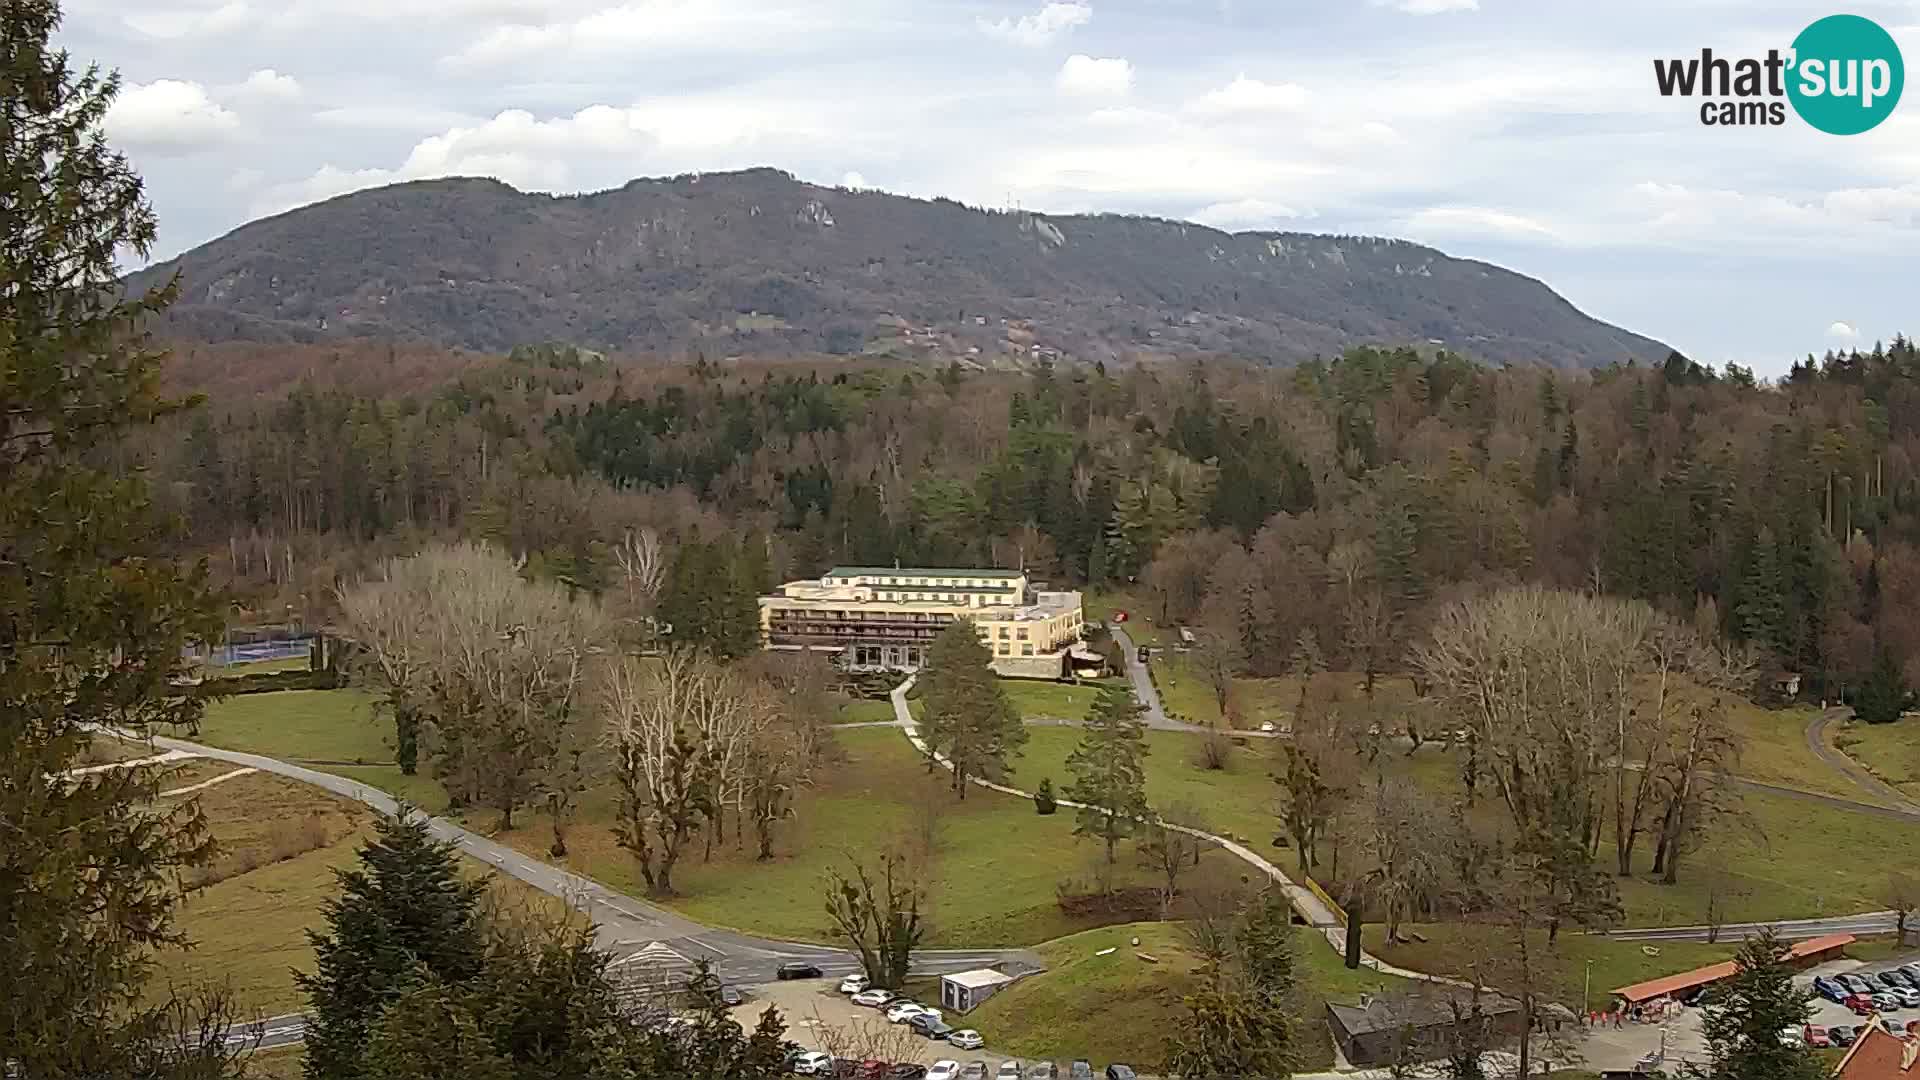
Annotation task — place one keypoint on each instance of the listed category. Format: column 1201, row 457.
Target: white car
column 944, row 1069
column 813, row 1063
column 1010, row 1070
column 1909, row 998
column 1266, row 726
column 966, row 1039
column 853, row 984
column 898, row 1013
column 873, row 999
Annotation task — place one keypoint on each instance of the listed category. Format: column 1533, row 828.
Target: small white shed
column 964, row 990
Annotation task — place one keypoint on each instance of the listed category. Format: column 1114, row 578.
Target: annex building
column 871, row 618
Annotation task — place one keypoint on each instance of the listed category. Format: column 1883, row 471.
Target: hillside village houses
column 876, row 618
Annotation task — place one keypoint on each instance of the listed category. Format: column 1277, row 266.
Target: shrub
column 1043, row 800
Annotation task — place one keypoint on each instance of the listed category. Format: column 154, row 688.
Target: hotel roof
column 920, row 571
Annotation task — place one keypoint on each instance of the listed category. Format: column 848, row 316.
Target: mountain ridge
column 757, row 262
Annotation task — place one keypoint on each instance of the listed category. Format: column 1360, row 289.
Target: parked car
column 1912, row 970
column 907, row 1070
column 854, row 984
column 1043, row 1070
column 872, row 1070
column 973, row 1070
column 1854, row 983
column 846, row 1068
column 1887, row 980
column 1792, row 1036
column 1011, row 1069
column 1829, row 989
column 813, row 1063
column 1886, row 1002
column 1266, row 726
column 944, row 1069
column 966, row 1039
column 794, row 969
column 1906, row 996
column 1840, row 1035
column 1818, row 1036
column 874, row 999
column 899, row 1012
column 1080, row 1070
column 930, row 1025
column 1907, row 978
column 1893, row 1027
column 731, row 996
column 1861, row 1004
column 1120, row 1072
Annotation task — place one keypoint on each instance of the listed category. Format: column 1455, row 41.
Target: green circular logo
column 1846, row 75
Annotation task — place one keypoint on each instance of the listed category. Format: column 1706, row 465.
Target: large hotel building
column 874, row 618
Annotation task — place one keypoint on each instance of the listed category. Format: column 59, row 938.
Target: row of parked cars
column 1821, row 1036
column 1870, row 992
column 815, row 1063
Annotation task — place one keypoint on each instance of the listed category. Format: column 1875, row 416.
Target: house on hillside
column 1880, row 1056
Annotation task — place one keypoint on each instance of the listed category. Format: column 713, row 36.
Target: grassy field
column 864, row 712
column 1052, row 700
column 1238, row 799
column 1890, row 751
column 301, row 725
column 1453, row 949
column 990, row 873
column 1100, row 606
column 1119, row 1007
column 1185, row 693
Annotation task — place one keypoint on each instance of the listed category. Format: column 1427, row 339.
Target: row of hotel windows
column 977, row 583
column 1004, row 649
column 936, row 596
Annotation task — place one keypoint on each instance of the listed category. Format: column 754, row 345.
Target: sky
column 1528, row 133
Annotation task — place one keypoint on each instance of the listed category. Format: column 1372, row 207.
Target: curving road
column 1817, row 743
column 634, row 931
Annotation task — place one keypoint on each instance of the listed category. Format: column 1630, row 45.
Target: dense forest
column 1346, row 497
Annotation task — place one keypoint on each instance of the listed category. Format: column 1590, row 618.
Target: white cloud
column 169, row 116
column 1477, row 221
column 1088, row 76
column 641, row 25
column 1041, row 27
column 853, row 181
column 1430, row 7
column 245, row 179
column 1245, row 214
column 177, row 23
column 1252, row 95
column 268, row 85
column 1842, row 331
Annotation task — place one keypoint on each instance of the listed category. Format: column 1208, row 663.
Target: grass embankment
column 1889, row 751
column 1457, row 950
column 1119, row 1007
column 334, row 731
column 1098, row 607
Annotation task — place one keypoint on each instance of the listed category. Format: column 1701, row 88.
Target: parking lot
column 818, row 1016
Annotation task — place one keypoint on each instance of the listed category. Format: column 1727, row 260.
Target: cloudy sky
column 1525, row 132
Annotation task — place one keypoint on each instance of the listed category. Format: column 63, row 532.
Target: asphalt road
column 1872, row 922
column 632, row 930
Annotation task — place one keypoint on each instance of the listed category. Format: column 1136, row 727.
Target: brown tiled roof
column 1687, row 980
column 1880, row 1056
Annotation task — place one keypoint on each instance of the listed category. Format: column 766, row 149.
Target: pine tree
column 968, row 718
column 93, row 618
column 1760, row 611
column 1760, row 1001
column 405, row 912
column 1109, row 771
column 1883, row 697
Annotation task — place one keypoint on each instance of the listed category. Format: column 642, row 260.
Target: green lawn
column 1186, row 694
column 1238, row 799
column 301, row 725
column 1100, row 606
column 1052, row 700
column 1889, row 751
column 864, row 712
column 990, row 877
column 1119, row 1008
column 1776, row 753
column 1453, row 949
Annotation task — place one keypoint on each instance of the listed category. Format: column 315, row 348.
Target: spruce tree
column 1760, row 1001
column 92, row 618
column 405, row 913
column 1883, row 697
column 1109, row 772
column 967, row 717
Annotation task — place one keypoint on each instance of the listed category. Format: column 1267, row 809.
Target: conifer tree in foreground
column 92, row 621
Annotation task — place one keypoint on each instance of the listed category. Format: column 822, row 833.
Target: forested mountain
column 1345, row 498
column 758, row 263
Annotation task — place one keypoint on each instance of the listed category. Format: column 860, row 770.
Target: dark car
column 1840, row 1035
column 931, row 1028
column 1080, row 1070
column 1829, row 989
column 846, row 1068
column 730, row 995
column 1888, row 978
column 906, row 1070
column 797, row 970
column 1120, row 1072
column 975, row 1070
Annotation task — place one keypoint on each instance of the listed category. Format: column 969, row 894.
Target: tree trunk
column 1356, row 918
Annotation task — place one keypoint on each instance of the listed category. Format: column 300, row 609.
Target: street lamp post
column 1586, row 991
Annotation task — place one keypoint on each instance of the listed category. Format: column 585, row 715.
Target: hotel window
column 1003, row 631
column 1021, row 633
column 1002, row 650
column 1026, row 650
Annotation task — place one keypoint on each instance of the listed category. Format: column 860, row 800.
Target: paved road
column 1825, row 751
column 1872, row 922
column 1147, row 694
column 634, row 931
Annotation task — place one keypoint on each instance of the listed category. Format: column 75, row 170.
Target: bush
column 1043, row 800
column 266, row 682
